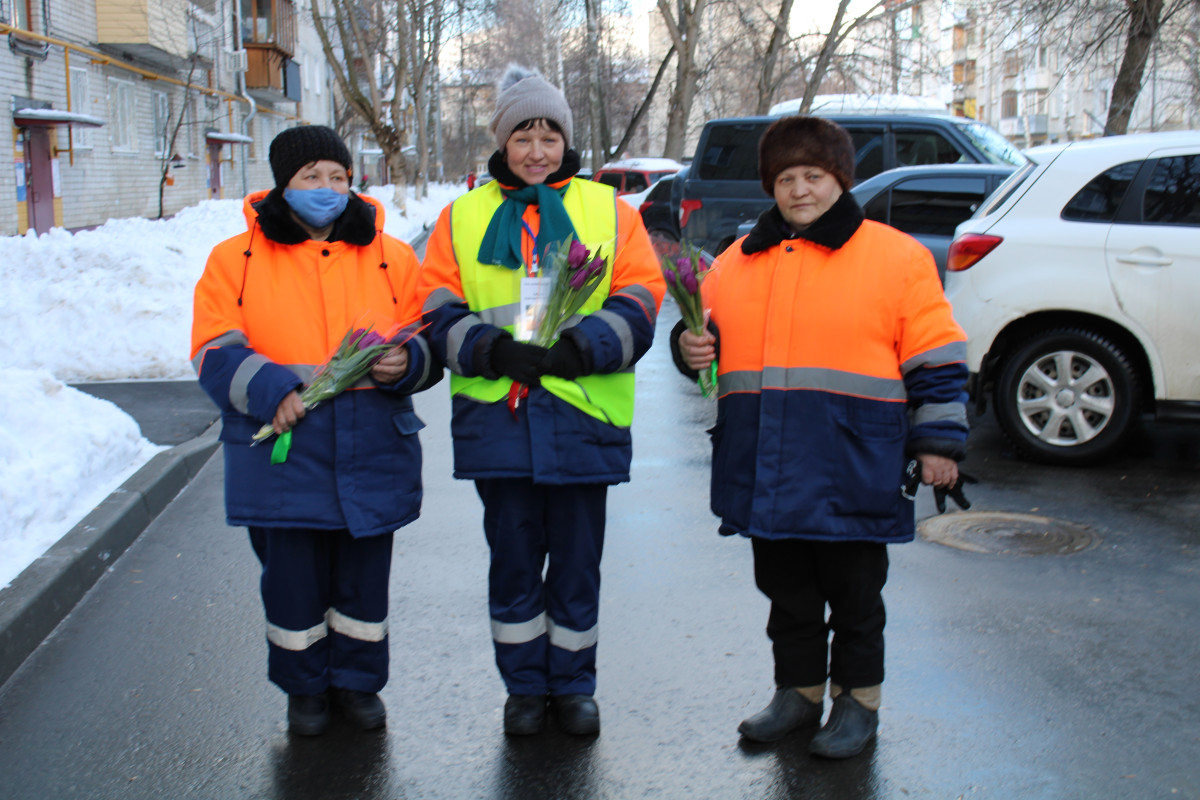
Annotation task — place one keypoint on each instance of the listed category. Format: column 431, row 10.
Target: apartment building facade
column 124, row 108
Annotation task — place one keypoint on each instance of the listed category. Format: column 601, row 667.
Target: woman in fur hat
column 839, row 361
column 542, row 465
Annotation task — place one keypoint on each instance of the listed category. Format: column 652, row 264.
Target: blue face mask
column 316, row 207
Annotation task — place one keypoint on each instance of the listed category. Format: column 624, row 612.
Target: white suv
column 1078, row 284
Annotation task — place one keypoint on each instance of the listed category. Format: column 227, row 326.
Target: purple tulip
column 577, row 255
column 367, row 339
column 596, row 267
column 683, row 264
column 670, row 275
column 578, row 278
column 688, row 279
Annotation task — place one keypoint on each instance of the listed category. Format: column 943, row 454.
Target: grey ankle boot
column 787, row 711
column 848, row 730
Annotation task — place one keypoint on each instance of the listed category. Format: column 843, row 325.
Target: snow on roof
column 863, row 104
column 51, row 115
column 228, row 138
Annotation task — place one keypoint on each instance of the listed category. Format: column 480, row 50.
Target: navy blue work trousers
column 325, row 594
column 544, row 582
column 801, row 578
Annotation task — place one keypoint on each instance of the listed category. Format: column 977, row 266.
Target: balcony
column 269, row 36
column 1039, row 125
column 154, row 34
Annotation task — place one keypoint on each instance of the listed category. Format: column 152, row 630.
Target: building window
column 1008, row 104
column 1012, row 63
column 81, row 103
column 22, row 13
column 121, row 116
column 162, row 124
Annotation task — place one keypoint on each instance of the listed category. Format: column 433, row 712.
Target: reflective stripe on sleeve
column 946, row 354
column 941, row 412
column 828, row 380
column 643, row 296
column 239, row 386
column 224, row 340
column 356, row 628
column 518, row 632
column 455, row 338
column 624, row 333
column 296, row 640
column 567, row 639
column 500, row 316
column 440, row 297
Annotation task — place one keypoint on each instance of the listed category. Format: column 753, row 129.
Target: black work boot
column 847, row 731
column 577, row 713
column 787, row 711
column 524, row 714
column 308, row 714
column 364, row 709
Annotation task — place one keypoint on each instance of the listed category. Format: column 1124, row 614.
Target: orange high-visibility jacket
column 833, row 363
column 266, row 315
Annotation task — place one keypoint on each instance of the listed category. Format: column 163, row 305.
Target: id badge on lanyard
column 535, row 292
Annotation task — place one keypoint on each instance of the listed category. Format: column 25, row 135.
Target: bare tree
column 371, row 73
column 166, row 162
column 684, row 27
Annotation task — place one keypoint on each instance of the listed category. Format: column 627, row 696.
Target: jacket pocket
column 869, row 461
column 407, row 422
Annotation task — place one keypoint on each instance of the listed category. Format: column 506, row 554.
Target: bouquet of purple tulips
column 574, row 274
column 684, row 274
column 358, row 352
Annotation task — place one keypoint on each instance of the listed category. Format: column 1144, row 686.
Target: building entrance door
column 39, row 179
column 214, row 170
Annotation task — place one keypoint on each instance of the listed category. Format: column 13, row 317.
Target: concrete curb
column 46, row 591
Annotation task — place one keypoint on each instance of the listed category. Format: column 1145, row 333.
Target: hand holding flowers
column 574, row 275
column 684, row 274
column 361, row 350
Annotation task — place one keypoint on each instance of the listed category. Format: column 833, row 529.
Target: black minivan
column 721, row 189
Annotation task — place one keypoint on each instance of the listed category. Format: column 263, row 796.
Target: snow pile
column 61, row 452
column 114, row 303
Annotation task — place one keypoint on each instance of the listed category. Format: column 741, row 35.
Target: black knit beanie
column 295, row 147
column 805, row 142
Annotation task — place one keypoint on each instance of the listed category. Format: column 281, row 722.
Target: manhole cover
column 999, row 532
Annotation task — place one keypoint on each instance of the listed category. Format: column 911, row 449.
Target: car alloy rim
column 1065, row 398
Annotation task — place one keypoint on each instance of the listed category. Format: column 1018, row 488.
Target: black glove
column 955, row 492
column 518, row 360
column 563, row 360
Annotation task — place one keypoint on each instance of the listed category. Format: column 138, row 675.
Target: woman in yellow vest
column 542, row 467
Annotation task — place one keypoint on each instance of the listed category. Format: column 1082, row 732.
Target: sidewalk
column 171, row 413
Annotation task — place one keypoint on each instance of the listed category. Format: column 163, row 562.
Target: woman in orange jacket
column 273, row 304
column 839, row 361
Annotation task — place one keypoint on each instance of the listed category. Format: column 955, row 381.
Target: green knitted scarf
column 502, row 242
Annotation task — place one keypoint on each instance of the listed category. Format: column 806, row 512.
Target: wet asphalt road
column 1009, row 676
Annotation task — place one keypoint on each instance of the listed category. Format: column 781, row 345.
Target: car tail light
column 967, row 249
column 642, row 208
column 686, row 207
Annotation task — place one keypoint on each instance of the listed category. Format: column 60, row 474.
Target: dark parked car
column 659, row 218
column 722, row 189
column 927, row 202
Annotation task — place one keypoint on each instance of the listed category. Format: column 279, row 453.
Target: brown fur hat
column 808, row 142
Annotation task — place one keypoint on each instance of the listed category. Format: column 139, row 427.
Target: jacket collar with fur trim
column 355, row 226
column 831, row 230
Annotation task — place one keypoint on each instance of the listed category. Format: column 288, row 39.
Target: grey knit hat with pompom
column 524, row 95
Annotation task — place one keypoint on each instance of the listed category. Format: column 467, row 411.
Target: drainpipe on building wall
column 245, row 93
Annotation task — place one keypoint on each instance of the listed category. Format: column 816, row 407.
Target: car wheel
column 665, row 243
column 1067, row 397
